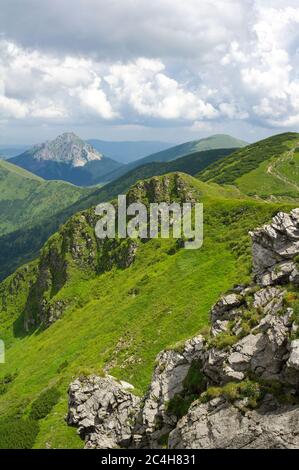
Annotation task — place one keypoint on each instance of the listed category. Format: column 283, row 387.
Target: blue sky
column 171, row 70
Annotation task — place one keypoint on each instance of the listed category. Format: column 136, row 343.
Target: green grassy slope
column 22, row 245
column 26, row 198
column 217, row 141
column 269, row 168
column 190, row 164
column 117, row 319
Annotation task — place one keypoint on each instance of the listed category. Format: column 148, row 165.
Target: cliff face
column 237, row 387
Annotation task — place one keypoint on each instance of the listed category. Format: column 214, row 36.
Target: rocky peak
column 66, row 148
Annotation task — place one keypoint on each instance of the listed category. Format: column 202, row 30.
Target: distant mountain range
column 71, row 159
column 9, row 151
column 217, row 141
column 128, row 151
column 67, row 158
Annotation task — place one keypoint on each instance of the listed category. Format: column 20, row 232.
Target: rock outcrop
column 103, row 410
column 239, row 386
column 274, row 248
column 155, row 419
column 74, row 246
column 219, row 424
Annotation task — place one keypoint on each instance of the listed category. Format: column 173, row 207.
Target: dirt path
column 273, row 170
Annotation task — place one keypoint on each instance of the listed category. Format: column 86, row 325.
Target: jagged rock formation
column 74, row 246
column 222, row 425
column 68, row 158
column 242, row 381
column 274, row 249
column 103, row 410
column 66, row 148
column 155, row 420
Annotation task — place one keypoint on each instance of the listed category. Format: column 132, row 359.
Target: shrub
column 223, row 340
column 18, row 433
column 233, row 391
column 193, row 385
column 62, row 366
column 42, row 406
column 5, row 381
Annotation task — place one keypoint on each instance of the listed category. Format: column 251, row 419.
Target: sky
column 171, row 70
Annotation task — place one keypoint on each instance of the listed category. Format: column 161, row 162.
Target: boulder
column 103, row 410
column 154, row 420
column 219, row 424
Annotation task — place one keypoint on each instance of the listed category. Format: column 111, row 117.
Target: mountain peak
column 66, row 148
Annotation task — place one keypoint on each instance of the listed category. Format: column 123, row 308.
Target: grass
column 121, row 319
column 118, row 319
column 267, row 168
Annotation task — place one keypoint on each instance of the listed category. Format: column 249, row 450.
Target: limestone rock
column 172, row 367
column 221, row 425
column 293, row 360
column 274, row 249
column 103, row 410
column 251, row 338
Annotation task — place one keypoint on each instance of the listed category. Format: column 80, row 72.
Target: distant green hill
column 127, row 151
column 217, row 141
column 268, row 168
column 26, row 200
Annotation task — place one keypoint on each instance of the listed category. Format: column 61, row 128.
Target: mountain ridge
column 128, row 151
column 68, row 158
column 212, row 142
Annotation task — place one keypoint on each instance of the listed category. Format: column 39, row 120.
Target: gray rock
column 251, row 338
column 172, row 367
column 221, row 425
column 274, row 248
column 293, row 361
column 103, row 410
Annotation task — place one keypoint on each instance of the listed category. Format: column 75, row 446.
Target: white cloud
column 158, row 63
column 145, row 86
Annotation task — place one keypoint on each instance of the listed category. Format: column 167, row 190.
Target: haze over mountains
column 68, row 158
column 71, row 159
column 128, row 151
column 217, row 141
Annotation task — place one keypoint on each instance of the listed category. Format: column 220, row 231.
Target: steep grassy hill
column 218, row 141
column 269, row 168
column 89, row 306
column 23, row 244
column 26, row 198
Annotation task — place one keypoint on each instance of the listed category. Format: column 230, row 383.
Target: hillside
column 213, row 142
column 86, row 306
column 268, row 168
column 68, row 158
column 26, row 198
column 127, row 151
column 24, row 243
